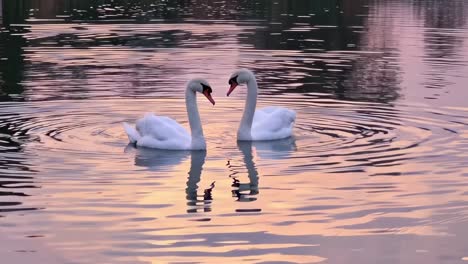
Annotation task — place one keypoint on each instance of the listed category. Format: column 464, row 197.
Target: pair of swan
column 162, row 132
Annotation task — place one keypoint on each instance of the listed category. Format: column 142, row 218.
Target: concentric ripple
column 332, row 136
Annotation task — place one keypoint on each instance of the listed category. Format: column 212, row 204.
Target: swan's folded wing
column 161, row 128
column 273, row 123
column 274, row 117
column 175, row 126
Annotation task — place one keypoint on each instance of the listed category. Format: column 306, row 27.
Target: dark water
column 376, row 171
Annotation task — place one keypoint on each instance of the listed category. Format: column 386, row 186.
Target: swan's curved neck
column 198, row 140
column 244, row 132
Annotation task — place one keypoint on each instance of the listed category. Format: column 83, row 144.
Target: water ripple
column 378, row 154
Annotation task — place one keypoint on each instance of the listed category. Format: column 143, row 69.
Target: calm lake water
column 376, row 172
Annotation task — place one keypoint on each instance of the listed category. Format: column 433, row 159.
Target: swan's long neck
column 198, row 140
column 244, row 132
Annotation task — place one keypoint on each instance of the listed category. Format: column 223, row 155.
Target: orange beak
column 208, row 96
column 233, row 86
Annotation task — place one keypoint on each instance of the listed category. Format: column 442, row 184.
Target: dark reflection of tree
column 292, row 25
column 322, row 67
column 144, row 10
column 11, row 66
column 12, row 44
column 15, row 11
column 287, row 17
column 370, row 79
column 16, row 174
column 442, row 14
column 237, row 9
column 12, row 63
column 375, row 76
column 444, row 38
column 78, row 74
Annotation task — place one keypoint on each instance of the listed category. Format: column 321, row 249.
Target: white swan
column 268, row 123
column 162, row 132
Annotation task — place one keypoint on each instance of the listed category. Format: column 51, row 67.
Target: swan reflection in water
column 157, row 159
column 195, row 201
column 164, row 160
column 276, row 149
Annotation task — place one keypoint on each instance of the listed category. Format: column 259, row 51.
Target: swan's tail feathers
column 133, row 135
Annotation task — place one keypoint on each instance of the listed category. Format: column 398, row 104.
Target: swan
column 269, row 123
column 163, row 132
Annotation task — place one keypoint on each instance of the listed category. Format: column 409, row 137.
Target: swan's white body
column 158, row 132
column 271, row 123
column 163, row 132
column 268, row 123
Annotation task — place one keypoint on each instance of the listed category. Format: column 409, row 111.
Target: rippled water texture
column 376, row 171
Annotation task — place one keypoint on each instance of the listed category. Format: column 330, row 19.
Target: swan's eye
column 233, row 80
column 206, row 88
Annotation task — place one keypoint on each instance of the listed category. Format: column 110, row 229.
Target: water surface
column 375, row 173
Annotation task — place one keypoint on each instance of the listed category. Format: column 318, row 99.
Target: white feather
column 272, row 123
column 160, row 132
